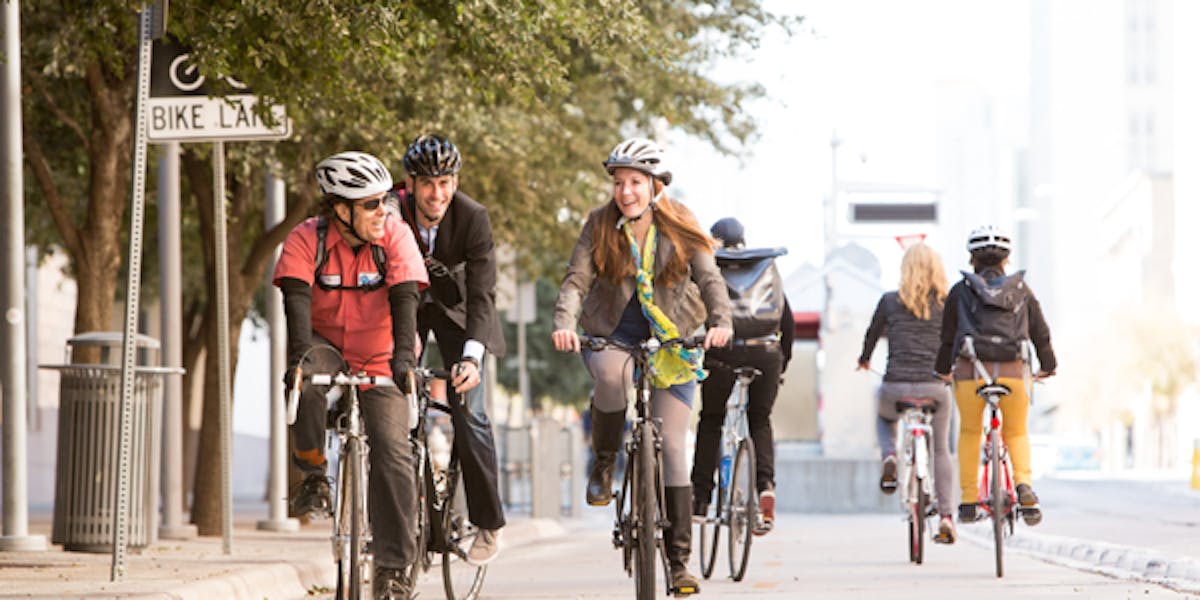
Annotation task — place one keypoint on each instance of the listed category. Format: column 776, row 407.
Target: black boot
column 679, row 540
column 606, row 440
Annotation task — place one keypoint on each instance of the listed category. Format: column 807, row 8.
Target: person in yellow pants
column 1000, row 313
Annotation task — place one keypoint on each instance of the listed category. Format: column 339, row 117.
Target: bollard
column 1196, row 464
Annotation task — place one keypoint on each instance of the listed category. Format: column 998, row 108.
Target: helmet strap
column 350, row 225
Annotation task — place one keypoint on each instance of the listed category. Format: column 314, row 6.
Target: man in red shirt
column 356, row 304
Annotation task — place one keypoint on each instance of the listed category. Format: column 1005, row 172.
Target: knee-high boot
column 679, row 539
column 607, row 429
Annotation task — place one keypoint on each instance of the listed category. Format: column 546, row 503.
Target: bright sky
column 869, row 69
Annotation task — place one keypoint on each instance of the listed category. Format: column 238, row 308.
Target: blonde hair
column 922, row 280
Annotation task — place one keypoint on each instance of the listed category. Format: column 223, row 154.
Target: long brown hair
column 922, row 280
column 614, row 259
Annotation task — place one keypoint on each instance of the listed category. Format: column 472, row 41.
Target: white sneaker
column 485, row 548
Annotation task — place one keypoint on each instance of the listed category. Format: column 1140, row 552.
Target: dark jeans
column 391, row 503
column 715, row 391
column 474, row 443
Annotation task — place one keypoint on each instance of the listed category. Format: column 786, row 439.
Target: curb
column 1181, row 574
column 300, row 578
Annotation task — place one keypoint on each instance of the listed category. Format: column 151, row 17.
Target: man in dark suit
column 459, row 307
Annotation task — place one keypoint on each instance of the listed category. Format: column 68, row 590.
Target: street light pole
column 831, row 205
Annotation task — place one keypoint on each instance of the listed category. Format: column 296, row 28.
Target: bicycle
column 442, row 525
column 640, row 520
column 737, row 502
column 918, row 492
column 997, row 495
column 351, row 522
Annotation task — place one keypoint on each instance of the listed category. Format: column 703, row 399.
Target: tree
column 533, row 93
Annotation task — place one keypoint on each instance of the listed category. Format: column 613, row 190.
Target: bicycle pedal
column 686, row 590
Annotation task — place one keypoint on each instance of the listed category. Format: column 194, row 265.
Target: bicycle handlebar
column 649, row 346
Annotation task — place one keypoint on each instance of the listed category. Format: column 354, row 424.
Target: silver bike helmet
column 353, row 175
column 640, row 154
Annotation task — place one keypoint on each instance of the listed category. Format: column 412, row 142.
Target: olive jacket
column 702, row 299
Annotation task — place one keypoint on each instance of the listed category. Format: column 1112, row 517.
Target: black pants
column 715, row 391
column 473, row 440
column 391, row 502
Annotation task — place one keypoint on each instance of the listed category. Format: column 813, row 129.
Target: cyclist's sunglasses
column 372, row 204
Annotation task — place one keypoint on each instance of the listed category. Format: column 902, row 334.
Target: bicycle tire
column 918, row 508
column 710, row 534
column 355, row 484
column 998, row 501
column 424, row 513
column 461, row 579
column 743, row 508
column 646, row 520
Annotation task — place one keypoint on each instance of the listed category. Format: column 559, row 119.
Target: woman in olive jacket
column 642, row 234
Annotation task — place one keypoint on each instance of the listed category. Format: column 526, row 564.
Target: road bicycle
column 351, row 523
column 997, row 495
column 737, row 504
column 917, row 489
column 641, row 521
column 442, row 527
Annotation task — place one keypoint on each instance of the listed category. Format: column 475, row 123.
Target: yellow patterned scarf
column 670, row 366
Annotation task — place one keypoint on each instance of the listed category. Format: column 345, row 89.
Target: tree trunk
column 206, row 503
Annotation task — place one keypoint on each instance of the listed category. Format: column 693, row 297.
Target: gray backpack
column 755, row 289
column 993, row 312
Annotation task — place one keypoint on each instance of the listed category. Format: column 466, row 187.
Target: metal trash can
column 89, row 430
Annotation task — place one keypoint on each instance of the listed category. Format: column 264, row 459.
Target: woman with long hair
column 643, row 267
column 911, row 317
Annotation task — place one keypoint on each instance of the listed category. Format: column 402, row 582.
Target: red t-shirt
column 357, row 322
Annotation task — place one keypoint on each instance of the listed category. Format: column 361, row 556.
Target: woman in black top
column 911, row 317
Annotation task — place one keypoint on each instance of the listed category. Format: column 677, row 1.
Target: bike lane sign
column 180, row 108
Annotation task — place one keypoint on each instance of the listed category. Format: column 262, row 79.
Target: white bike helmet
column 989, row 236
column 640, row 154
column 353, row 175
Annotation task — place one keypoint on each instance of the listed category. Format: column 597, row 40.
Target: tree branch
column 57, row 110
column 41, row 171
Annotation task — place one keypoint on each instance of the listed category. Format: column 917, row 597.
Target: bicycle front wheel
column 999, row 500
column 710, row 534
column 743, row 509
column 354, row 568
column 646, row 519
column 461, row 579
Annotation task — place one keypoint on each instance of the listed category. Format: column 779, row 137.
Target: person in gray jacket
column 912, row 320
column 643, row 234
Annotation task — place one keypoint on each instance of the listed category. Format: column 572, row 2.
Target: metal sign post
column 180, row 110
column 132, row 286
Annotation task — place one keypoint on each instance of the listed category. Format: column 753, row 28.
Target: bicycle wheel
column 424, row 516
column 710, row 534
column 623, row 529
column 743, row 509
column 354, row 569
column 462, row 580
column 999, row 499
column 645, row 516
column 918, row 506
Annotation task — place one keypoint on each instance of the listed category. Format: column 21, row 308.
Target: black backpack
column 323, row 256
column 755, row 290
column 993, row 312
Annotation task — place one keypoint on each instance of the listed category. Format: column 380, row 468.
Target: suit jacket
column 464, row 245
column 700, row 299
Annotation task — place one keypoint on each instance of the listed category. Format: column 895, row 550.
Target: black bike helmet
column 432, row 156
column 729, row 231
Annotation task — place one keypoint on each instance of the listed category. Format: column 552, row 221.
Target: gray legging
column 613, row 372
column 943, row 468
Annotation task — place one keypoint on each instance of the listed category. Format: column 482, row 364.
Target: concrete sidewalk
column 262, row 565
